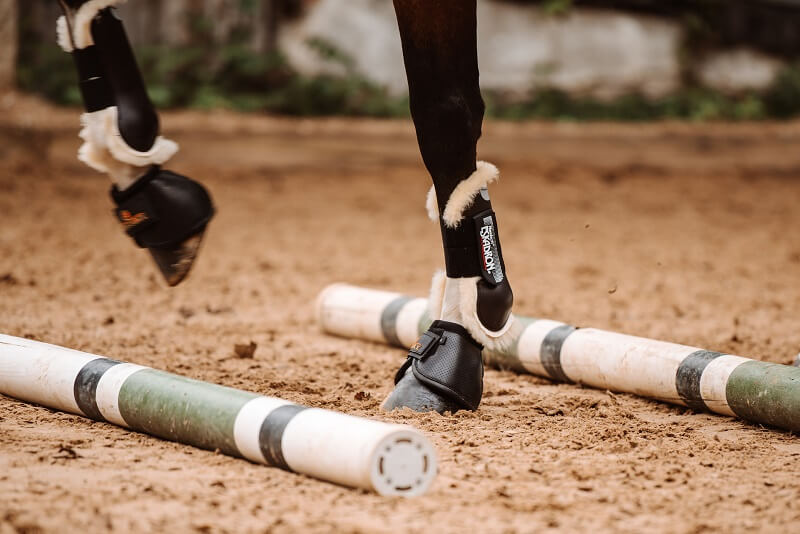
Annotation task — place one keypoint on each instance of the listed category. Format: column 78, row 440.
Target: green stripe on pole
column 181, row 409
column 768, row 393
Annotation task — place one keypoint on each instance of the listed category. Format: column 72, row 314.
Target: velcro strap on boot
column 162, row 209
column 448, row 361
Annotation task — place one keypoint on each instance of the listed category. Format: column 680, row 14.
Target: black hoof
column 175, row 263
column 411, row 393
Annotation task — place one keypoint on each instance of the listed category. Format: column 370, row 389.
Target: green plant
column 783, row 98
column 556, row 7
column 233, row 76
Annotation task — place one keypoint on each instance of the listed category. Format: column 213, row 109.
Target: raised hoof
column 175, row 263
column 411, row 393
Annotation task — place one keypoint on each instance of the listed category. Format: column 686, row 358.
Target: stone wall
column 590, row 52
column 595, row 52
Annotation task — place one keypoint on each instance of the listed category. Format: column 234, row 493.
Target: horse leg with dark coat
column 162, row 211
column 471, row 302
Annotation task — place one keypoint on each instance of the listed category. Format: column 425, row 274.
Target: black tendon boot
column 444, row 370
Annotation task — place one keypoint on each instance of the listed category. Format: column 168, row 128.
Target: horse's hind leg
column 471, row 304
column 162, row 211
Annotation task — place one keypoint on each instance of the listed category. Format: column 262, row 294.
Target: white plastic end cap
column 403, row 464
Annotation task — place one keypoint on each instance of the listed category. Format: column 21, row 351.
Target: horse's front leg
column 162, row 211
column 471, row 302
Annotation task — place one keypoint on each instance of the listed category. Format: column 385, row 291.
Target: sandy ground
column 680, row 232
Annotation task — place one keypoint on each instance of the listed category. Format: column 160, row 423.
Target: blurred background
column 551, row 59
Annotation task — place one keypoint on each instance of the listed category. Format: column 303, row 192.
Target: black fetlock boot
column 167, row 214
column 443, row 372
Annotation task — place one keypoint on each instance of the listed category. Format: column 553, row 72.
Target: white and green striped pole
column 351, row 451
column 757, row 391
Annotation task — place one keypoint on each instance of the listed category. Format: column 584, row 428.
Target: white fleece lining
column 436, row 295
column 62, row 34
column 456, row 300
column 451, row 301
column 105, row 150
column 493, row 340
column 82, row 24
column 464, row 194
column 431, row 205
column 100, row 128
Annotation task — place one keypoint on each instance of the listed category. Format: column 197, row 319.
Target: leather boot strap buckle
column 426, row 344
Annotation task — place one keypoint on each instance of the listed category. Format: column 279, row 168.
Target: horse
column 168, row 213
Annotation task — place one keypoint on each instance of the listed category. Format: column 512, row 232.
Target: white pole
column 700, row 379
column 352, row 451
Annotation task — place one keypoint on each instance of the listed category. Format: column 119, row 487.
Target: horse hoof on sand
column 175, row 263
column 443, row 372
column 411, row 393
column 167, row 214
